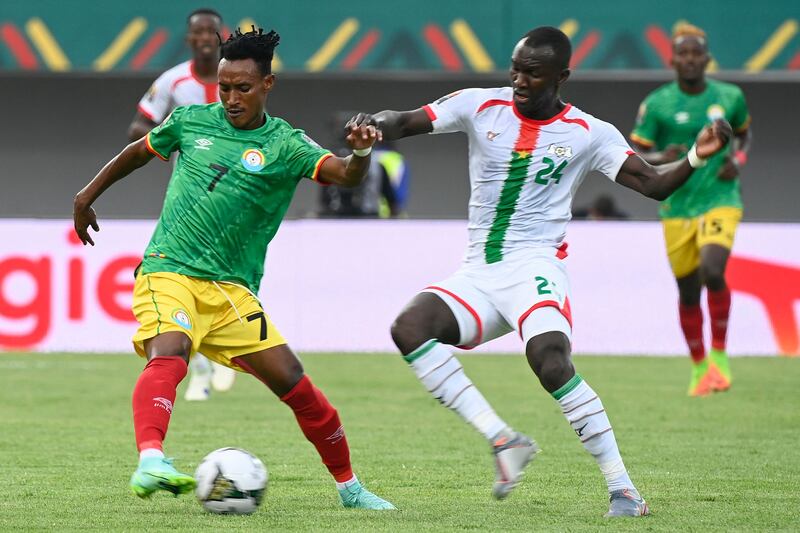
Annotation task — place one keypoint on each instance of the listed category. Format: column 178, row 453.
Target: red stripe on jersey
column 151, row 149
column 146, row 114
column 180, row 80
column 19, row 46
column 469, row 308
column 566, row 311
column 550, row 120
column 578, row 121
column 149, row 49
column 316, row 176
column 211, row 92
column 491, row 103
column 561, row 253
column 629, row 152
column 429, row 112
column 528, row 135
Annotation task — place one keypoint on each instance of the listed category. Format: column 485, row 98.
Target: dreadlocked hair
column 683, row 29
column 254, row 44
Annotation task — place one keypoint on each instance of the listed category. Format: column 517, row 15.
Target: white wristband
column 362, row 152
column 695, row 161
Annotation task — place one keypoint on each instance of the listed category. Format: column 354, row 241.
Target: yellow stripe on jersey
column 151, row 149
column 321, row 160
column 641, row 140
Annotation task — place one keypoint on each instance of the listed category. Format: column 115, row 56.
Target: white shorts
column 528, row 292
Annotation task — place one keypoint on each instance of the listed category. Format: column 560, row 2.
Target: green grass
column 728, row 462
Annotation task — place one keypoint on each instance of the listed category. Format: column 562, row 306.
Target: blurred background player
column 196, row 287
column 529, row 152
column 604, row 207
column 191, row 82
column 384, row 191
column 700, row 218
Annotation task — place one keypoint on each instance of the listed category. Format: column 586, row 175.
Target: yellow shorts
column 686, row 236
column 224, row 320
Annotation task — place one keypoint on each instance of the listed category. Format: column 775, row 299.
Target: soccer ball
column 231, row 481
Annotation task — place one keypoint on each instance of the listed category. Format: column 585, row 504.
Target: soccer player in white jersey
column 528, row 153
column 191, row 82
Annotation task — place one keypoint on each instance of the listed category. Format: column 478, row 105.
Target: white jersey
column 176, row 87
column 524, row 173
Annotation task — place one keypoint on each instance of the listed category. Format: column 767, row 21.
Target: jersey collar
column 534, row 122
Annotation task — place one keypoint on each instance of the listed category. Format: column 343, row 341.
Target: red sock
column 320, row 424
column 153, row 397
column 692, row 326
column 719, row 307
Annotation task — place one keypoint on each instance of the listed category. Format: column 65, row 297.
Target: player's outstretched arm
column 671, row 153
column 658, row 182
column 397, row 124
column 350, row 171
column 132, row 157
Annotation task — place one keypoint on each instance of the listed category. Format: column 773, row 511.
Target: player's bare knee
column 409, row 331
column 713, row 277
column 549, row 357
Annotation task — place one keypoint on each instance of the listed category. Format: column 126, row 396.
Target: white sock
column 444, row 377
column 150, row 452
column 587, row 416
column 200, row 366
column 347, row 484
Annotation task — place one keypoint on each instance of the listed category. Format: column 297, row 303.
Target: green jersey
column 229, row 191
column 670, row 116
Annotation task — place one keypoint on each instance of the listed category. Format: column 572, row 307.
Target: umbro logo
column 202, row 144
column 579, row 430
column 491, row 135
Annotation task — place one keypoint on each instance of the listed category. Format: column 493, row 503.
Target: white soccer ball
column 231, row 481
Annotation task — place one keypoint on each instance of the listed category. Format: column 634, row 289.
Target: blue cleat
column 355, row 496
column 157, row 473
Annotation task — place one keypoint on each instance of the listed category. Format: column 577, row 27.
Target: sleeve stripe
column 153, row 150
column 148, row 115
column 321, row 160
column 744, row 127
column 641, row 140
column 429, row 112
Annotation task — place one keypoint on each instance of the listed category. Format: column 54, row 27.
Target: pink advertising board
column 337, row 285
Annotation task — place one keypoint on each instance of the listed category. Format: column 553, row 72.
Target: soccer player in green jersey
column 700, row 218
column 190, row 82
column 195, row 290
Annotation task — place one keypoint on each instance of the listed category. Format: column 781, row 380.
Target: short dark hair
column 254, row 44
column 203, row 11
column 555, row 39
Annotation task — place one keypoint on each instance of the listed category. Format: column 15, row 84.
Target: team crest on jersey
column 715, row 112
column 181, row 318
column 560, row 151
column 253, row 159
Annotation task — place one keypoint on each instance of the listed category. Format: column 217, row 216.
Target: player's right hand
column 82, row 218
column 713, row 138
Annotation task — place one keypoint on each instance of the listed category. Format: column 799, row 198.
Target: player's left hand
column 713, row 138
column 83, row 217
column 361, row 132
column 729, row 170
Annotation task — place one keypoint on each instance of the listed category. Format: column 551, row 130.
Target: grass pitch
column 728, row 462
